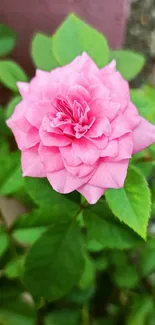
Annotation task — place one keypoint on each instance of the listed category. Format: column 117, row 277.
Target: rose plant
column 83, row 250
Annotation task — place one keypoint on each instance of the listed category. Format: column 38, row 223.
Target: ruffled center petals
column 100, row 127
column 86, row 150
column 52, row 139
column 51, row 158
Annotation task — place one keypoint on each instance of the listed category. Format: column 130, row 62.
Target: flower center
column 72, row 120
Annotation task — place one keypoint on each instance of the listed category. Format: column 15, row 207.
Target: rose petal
column 24, row 139
column 143, row 135
column 83, row 63
column 110, row 174
column 37, row 110
column 132, row 116
column 125, row 147
column 111, row 149
column 31, row 163
column 55, row 140
column 86, row 150
column 109, row 68
column 64, row 182
column 51, row 158
column 91, row 193
column 99, row 91
column 23, row 88
column 100, row 142
column 80, row 170
column 99, row 127
column 120, row 126
column 78, row 93
column 70, row 156
column 115, row 82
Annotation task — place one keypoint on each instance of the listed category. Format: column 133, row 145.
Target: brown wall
column 30, row 16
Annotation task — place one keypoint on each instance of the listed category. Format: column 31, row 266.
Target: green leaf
column 13, row 182
column 17, row 312
column 50, row 201
column 145, row 168
column 129, row 63
column 94, row 246
column 10, row 175
column 140, row 310
column 7, row 40
column 131, row 204
column 126, row 276
column 4, row 241
column 79, row 297
column 42, row 54
column 14, row 268
column 147, row 260
column 74, row 37
column 88, row 275
column 28, row 236
column 63, row 317
column 107, row 230
column 56, row 262
column 11, row 106
column 10, row 73
column 144, row 103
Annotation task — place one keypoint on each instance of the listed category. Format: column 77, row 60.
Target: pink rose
column 77, row 126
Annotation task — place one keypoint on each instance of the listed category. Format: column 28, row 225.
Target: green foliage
column 42, row 53
column 107, row 230
column 144, row 100
column 131, row 204
column 10, row 73
column 129, row 63
column 140, row 310
column 7, row 40
column 14, row 268
column 62, row 264
column 16, row 313
column 65, row 317
column 10, row 175
column 4, row 241
column 74, row 37
column 55, row 204
column 147, row 260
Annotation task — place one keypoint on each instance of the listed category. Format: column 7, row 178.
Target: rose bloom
column 77, row 126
